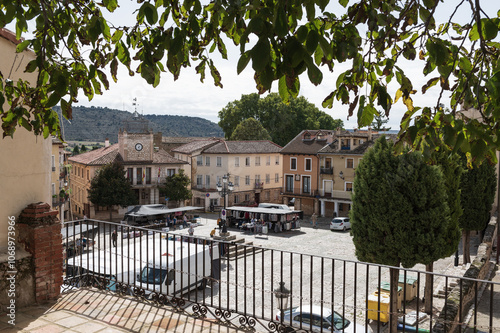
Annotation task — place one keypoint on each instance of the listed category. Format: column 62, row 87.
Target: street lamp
column 282, row 294
column 224, row 189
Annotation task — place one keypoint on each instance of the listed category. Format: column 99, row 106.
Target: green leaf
column 110, row 5
column 312, row 41
column 343, row 3
column 151, row 13
column 361, row 110
column 283, row 89
column 23, row 45
column 117, row 35
column 260, row 54
column 314, row 73
column 53, row 100
column 281, row 24
column 31, row 66
column 489, row 29
column 243, row 62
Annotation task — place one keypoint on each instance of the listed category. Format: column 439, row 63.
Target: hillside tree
column 110, row 187
column 176, row 187
column 76, row 150
column 283, row 121
column 478, row 186
column 280, row 43
column 83, row 149
column 399, row 214
column 379, row 120
column 250, row 129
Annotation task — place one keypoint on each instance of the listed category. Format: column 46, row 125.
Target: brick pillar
column 40, row 232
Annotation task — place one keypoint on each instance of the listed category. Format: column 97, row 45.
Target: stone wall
column 479, row 268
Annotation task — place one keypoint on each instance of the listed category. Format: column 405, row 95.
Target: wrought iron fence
column 247, row 285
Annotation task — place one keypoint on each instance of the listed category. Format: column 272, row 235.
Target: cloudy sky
column 189, row 97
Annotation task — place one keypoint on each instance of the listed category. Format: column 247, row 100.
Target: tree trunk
column 466, row 246
column 110, row 213
column 429, row 281
column 393, row 318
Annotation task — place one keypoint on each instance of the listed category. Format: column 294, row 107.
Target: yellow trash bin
column 373, row 306
column 386, row 288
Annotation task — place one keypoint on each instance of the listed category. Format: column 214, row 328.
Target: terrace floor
column 90, row 310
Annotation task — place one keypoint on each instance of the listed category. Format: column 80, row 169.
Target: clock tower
column 135, row 140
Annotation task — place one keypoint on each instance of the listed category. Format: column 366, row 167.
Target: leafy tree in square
column 176, row 187
column 477, row 187
column 110, row 187
column 400, row 213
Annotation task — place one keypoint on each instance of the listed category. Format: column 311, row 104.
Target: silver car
column 318, row 319
column 340, row 223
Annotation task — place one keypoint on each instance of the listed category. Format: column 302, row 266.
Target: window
column 53, row 163
column 247, row 180
column 139, row 176
column 268, row 161
column 247, row 197
column 199, row 181
column 348, row 186
column 219, row 180
column 257, row 181
column 207, row 160
column 236, row 180
column 361, row 141
column 268, row 196
column 293, row 163
column 130, row 175
column 289, row 183
column 236, row 161
column 219, row 161
column 306, row 184
column 53, row 189
column 354, row 142
column 236, row 198
column 88, row 175
column 170, row 172
column 349, row 163
column 268, row 178
column 276, row 177
column 277, row 162
column 207, row 181
column 148, row 175
column 257, row 160
column 199, row 160
column 308, row 166
column 247, row 161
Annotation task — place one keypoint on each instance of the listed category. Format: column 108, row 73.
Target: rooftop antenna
column 134, row 103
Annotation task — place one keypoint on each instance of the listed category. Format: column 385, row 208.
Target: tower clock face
column 138, row 146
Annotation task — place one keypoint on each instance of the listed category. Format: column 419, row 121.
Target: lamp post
column 282, row 294
column 224, row 189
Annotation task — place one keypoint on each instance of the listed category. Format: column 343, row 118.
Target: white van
column 179, row 269
column 165, row 266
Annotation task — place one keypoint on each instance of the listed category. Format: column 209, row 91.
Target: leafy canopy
column 395, row 194
column 110, row 187
column 280, row 42
column 282, row 121
column 250, row 129
column 176, row 187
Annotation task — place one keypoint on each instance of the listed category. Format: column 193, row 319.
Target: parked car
column 318, row 319
column 340, row 223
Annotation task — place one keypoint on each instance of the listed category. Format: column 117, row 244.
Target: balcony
column 335, row 194
column 237, row 293
column 326, row 171
column 259, row 185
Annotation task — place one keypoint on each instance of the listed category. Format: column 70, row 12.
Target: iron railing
column 237, row 283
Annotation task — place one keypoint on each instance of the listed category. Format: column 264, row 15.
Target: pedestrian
column 191, row 230
column 185, row 219
column 113, row 238
column 314, row 218
column 212, row 233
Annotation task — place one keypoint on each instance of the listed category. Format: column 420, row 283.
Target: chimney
column 106, row 142
column 369, row 134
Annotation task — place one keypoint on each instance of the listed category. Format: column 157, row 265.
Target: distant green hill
column 97, row 124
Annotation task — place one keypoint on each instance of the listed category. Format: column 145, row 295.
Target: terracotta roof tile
column 99, row 156
column 193, row 146
column 243, row 147
column 162, row 157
